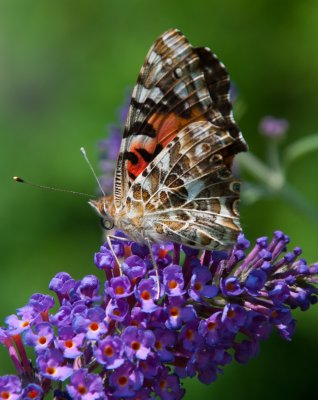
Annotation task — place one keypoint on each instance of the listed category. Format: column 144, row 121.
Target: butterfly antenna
column 92, row 169
column 20, row 180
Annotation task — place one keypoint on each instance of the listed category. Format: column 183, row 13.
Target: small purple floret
column 137, row 342
column 126, row 380
column 110, row 352
column 51, row 365
column 10, row 387
column 86, row 386
column 273, row 127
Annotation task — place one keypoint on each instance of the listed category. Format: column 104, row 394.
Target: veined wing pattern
column 173, row 179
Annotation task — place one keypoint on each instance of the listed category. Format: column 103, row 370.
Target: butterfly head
column 105, row 209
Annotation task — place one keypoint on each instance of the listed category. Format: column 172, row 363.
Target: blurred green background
column 65, row 66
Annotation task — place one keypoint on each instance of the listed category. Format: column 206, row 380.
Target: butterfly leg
column 155, row 265
column 109, row 241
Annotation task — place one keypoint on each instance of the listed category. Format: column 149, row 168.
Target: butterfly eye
column 106, row 224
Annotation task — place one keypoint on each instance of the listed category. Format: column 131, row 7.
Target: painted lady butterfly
column 173, row 179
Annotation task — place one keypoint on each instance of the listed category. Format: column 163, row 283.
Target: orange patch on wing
column 136, row 169
column 167, row 126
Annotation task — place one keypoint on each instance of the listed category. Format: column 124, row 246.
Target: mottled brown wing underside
column 177, row 85
column 188, row 191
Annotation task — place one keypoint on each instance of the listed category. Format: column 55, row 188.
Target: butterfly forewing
column 173, row 178
column 173, row 90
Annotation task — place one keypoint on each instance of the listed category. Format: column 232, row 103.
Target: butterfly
column 173, row 179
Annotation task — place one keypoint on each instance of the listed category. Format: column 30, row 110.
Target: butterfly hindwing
column 177, row 85
column 188, row 192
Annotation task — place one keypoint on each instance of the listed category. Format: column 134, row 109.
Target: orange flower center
column 42, row 340
column 81, row 389
column 122, row 380
column 69, row 343
column 172, row 284
column 135, row 345
column 230, row 286
column 5, row 395
column 50, row 370
column 120, row 290
column 145, row 295
column 32, row 394
column 108, row 351
column 162, row 253
column 94, row 326
column 198, row 286
column 174, row 311
column 211, row 326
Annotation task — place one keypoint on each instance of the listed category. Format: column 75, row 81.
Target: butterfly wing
column 177, row 85
column 188, row 192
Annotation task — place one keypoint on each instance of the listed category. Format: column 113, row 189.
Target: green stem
column 274, row 180
column 274, row 156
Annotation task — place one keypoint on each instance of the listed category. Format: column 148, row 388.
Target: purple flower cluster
column 129, row 341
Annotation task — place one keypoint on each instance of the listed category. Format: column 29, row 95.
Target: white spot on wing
column 154, row 94
column 201, row 149
column 152, row 57
column 178, row 72
column 194, row 188
column 146, row 185
column 181, row 90
column 157, row 71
